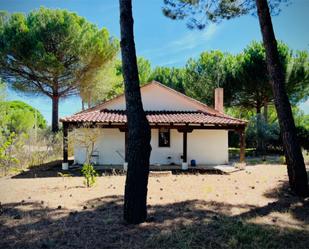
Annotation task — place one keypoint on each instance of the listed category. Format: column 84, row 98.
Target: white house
column 183, row 130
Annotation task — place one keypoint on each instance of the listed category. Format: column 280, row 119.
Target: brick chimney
column 219, row 100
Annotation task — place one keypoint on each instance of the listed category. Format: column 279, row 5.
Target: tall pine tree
column 200, row 12
column 139, row 135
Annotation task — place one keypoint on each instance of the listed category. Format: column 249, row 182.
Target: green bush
column 282, row 160
column 90, row 174
column 22, row 117
column 7, row 158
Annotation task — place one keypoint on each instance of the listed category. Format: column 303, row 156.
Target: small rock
column 274, row 220
column 150, row 219
column 161, row 189
column 252, row 187
column 17, row 217
column 149, row 197
column 59, row 207
column 92, row 206
column 84, row 207
column 29, row 197
column 42, row 202
column 70, row 195
column 60, row 196
column 44, row 245
column 235, row 193
column 161, row 198
column 158, row 180
column 114, row 187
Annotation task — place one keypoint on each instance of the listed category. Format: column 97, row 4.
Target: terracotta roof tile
column 155, row 117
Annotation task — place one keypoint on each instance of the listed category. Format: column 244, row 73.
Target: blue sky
column 166, row 42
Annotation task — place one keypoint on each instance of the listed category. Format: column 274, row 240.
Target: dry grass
column 247, row 209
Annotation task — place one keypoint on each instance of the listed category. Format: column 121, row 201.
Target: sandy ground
column 258, row 189
column 246, row 187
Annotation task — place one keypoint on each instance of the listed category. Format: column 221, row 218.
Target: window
column 164, row 137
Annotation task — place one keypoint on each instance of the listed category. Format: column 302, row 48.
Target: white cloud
column 188, row 42
column 195, row 38
column 171, row 62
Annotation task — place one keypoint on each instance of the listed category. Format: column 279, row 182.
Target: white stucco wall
column 108, row 143
column 159, row 155
column 157, row 98
column 208, row 146
column 205, row 146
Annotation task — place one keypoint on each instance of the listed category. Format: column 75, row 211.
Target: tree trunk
column 265, row 111
column 55, row 113
column 258, row 109
column 83, row 105
column 294, row 158
column 89, row 101
column 135, row 210
column 259, row 139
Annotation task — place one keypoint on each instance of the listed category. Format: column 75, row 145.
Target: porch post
column 184, row 153
column 125, row 146
column 65, row 163
column 242, row 145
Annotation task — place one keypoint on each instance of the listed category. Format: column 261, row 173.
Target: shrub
column 7, row 158
column 22, row 150
column 90, row 174
column 282, row 160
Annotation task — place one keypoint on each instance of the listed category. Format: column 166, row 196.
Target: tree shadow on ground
column 285, row 201
column 49, row 169
column 99, row 224
column 54, row 169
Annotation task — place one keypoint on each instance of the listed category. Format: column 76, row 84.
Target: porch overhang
column 183, row 121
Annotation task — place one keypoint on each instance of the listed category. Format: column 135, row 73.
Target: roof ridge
column 107, row 101
column 186, row 96
column 206, row 109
